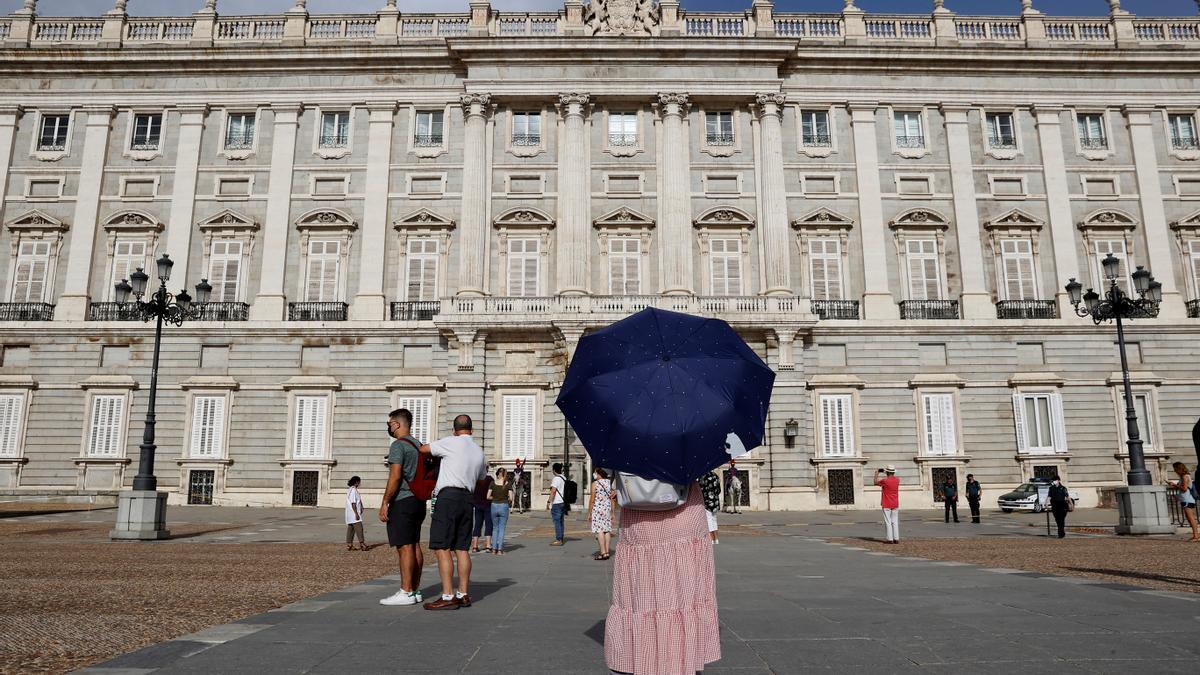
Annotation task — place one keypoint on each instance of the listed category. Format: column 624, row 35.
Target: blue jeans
column 499, row 520
column 557, row 513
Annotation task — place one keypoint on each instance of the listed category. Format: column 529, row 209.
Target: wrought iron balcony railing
column 239, row 142
column 910, row 141
column 52, row 146
column 818, row 140
column 427, row 140
column 26, row 311
column 526, row 140
column 416, row 310
column 317, row 311
column 224, row 311
column 1026, row 309
column 835, row 309
column 622, row 140
column 1193, row 309
column 114, row 311
column 718, row 139
column 334, row 140
column 1093, row 143
column 1185, row 143
column 929, row 309
column 145, row 144
column 1002, row 142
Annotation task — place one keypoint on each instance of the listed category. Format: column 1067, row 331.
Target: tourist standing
column 734, row 486
column 402, row 511
column 463, row 467
column 710, row 489
column 499, row 494
column 974, row 493
column 889, row 486
column 354, row 515
column 483, row 515
column 1060, row 504
column 558, row 504
column 518, row 485
column 950, row 498
column 600, row 506
column 663, row 618
column 1187, row 497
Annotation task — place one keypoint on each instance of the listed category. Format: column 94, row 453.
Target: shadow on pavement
column 596, row 632
column 1137, row 575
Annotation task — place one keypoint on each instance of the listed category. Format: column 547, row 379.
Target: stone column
column 776, row 247
column 1154, row 217
column 271, row 303
column 9, row 114
column 73, row 305
column 674, row 203
column 1062, row 229
column 370, row 304
column 976, row 302
column 574, row 202
column 878, row 302
column 472, row 234
column 183, row 196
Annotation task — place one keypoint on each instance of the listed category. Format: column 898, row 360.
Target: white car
column 1025, row 497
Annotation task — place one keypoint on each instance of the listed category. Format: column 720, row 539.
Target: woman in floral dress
column 601, row 507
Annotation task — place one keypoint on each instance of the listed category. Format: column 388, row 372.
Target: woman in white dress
column 603, row 496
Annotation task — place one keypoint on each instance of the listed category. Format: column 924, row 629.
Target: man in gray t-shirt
column 403, row 512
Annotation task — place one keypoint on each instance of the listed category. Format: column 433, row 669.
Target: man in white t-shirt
column 463, row 465
column 557, row 504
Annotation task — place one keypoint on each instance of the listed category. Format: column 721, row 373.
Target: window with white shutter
column 421, row 270
column 825, row 269
column 225, row 271
column 725, row 260
column 1116, row 247
column 107, row 425
column 312, row 420
column 524, row 261
column 12, row 413
column 208, row 427
column 128, row 256
column 1194, row 265
column 518, row 435
column 421, row 408
column 239, row 131
column 815, row 128
column 324, row 261
column 1041, row 429
column 624, row 266
column 837, row 426
column 924, row 270
column 937, row 416
column 1091, row 131
column 29, row 277
column 1016, row 261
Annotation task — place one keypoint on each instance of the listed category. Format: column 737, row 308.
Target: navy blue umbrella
column 658, row 393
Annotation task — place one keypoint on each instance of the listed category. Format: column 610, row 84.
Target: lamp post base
column 1143, row 510
column 141, row 515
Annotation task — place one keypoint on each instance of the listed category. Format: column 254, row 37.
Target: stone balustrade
column 853, row 26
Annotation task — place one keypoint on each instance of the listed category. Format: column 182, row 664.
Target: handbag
column 1070, row 505
column 648, row 494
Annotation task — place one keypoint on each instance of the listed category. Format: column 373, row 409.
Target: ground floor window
column 200, row 486
column 938, row 476
column 304, row 488
column 841, row 486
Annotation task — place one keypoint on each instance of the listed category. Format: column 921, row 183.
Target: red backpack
column 425, row 476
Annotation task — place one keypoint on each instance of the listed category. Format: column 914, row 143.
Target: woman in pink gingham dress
column 663, row 618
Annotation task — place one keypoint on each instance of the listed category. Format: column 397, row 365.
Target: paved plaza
column 791, row 599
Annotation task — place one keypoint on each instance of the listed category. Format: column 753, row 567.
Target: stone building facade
column 431, row 210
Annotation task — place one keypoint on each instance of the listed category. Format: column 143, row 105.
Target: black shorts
column 453, row 517
column 405, row 518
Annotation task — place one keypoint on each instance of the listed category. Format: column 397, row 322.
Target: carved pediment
column 228, row 220
column 35, row 221
column 1188, row 222
column 1108, row 218
column 524, row 217
column 423, row 219
column 623, row 218
column 920, row 217
column 726, row 217
column 333, row 219
column 822, row 218
column 621, row 17
column 1016, row 218
column 132, row 221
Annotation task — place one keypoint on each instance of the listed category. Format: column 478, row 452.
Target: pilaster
column 1154, row 217
column 9, row 115
column 271, row 303
column 183, row 196
column 878, row 302
column 976, row 302
column 574, row 204
column 73, row 305
column 370, row 304
column 674, row 204
column 776, row 253
column 473, row 249
column 1062, row 230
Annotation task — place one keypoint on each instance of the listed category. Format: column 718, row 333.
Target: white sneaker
column 401, row 598
column 418, row 597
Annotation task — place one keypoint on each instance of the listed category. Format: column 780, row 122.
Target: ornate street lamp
column 1142, row 509
column 141, row 513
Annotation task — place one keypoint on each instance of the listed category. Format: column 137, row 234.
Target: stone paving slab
column 787, row 604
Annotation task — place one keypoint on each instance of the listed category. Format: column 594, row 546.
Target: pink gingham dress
column 663, row 618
